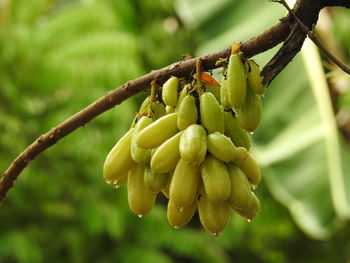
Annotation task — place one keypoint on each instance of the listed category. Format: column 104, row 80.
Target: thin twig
column 254, row 46
column 314, row 39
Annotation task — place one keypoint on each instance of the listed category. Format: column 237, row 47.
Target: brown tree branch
column 256, row 45
column 316, row 41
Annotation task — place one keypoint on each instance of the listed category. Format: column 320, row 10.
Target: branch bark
column 286, row 30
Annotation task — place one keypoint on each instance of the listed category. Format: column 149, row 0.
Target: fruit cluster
column 189, row 141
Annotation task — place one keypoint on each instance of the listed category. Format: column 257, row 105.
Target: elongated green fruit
column 157, row 110
column 216, row 179
column 236, row 81
column 141, row 199
column 184, row 184
column 212, row 116
column 155, row 181
column 251, row 211
column 221, row 147
column 224, row 95
column 167, row 155
column 249, row 115
column 119, row 161
column 180, row 217
column 213, row 216
column 158, row 132
column 193, row 144
column 187, row 113
column 240, row 196
column 215, row 90
column 169, row 91
column 241, row 155
column 251, row 169
column 181, row 96
column 253, row 76
column 139, row 154
column 238, row 136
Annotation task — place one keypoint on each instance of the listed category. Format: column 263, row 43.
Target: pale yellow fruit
column 141, row 198
column 169, row 91
column 253, row 76
column 158, row 132
column 193, row 144
column 212, row 115
column 184, row 184
column 240, row 196
column 165, row 158
column 216, row 179
column 180, row 217
column 119, row 161
column 236, row 81
column 221, row 147
column 187, row 113
column 249, row 115
column 213, row 216
column 139, row 154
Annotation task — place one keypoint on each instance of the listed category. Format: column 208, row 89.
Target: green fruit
column 221, row 147
column 181, row 96
column 253, row 76
column 119, row 161
column 158, row 132
column 155, row 181
column 169, row 91
column 180, row 217
column 240, row 196
column 157, row 110
column 184, row 184
column 238, row 136
column 167, row 155
column 216, row 179
column 139, row 154
column 187, row 113
column 248, row 166
column 236, row 81
column 223, row 94
column 169, row 109
column 212, row 116
column 193, row 144
column 249, row 115
column 251, row 211
column 141, row 198
column 251, row 169
column 213, row 216
column 241, row 155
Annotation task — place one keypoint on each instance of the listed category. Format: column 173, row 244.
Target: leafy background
column 56, row 57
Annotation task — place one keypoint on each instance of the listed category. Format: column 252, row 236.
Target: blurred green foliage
column 56, row 57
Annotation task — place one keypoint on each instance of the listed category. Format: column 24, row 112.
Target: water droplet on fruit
column 177, row 227
column 140, row 216
column 181, row 209
column 215, row 234
column 251, row 133
column 108, row 181
column 249, row 220
column 116, row 186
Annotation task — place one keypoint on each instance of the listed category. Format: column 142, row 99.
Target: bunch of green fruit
column 190, row 141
